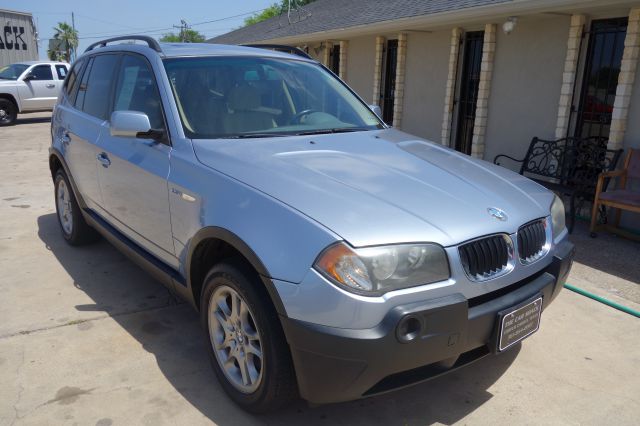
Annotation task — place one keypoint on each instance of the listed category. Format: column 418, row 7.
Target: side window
column 41, row 72
column 62, row 71
column 98, row 86
column 137, row 90
column 70, row 83
column 82, row 88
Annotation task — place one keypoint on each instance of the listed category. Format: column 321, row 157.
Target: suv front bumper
column 337, row 364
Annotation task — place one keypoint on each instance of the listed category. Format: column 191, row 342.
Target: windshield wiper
column 337, row 130
column 255, row 135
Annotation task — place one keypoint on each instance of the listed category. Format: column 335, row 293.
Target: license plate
column 519, row 323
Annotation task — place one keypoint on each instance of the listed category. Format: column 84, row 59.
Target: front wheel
column 247, row 347
column 8, row 112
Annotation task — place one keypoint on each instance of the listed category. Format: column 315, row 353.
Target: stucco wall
column 426, row 80
column 312, row 47
column 360, row 64
column 525, row 89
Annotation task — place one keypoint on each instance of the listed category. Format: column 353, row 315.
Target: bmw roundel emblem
column 497, row 213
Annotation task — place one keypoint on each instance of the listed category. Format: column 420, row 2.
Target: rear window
column 62, row 71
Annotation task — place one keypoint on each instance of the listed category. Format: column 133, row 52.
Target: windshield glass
column 13, row 71
column 227, row 97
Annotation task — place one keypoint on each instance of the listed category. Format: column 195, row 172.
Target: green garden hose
column 603, row 300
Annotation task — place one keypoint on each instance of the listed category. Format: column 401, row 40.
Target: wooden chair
column 622, row 198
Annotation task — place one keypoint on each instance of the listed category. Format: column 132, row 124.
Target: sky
column 96, row 20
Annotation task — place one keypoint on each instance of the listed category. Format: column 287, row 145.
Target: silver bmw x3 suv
column 329, row 256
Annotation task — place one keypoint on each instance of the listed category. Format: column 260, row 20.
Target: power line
column 127, row 33
column 107, row 22
column 229, row 17
column 157, row 30
column 183, row 30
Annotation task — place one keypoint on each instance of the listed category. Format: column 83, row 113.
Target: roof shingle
column 325, row 15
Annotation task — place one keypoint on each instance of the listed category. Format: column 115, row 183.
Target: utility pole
column 183, row 30
column 73, row 25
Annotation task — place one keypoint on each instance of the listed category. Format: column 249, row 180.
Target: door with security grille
column 468, row 90
column 600, row 80
column 389, row 81
column 334, row 59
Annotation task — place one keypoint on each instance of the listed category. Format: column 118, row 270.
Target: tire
column 268, row 381
column 75, row 230
column 8, row 112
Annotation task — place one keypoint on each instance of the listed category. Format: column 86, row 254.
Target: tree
column 186, row 35
column 274, row 10
column 68, row 42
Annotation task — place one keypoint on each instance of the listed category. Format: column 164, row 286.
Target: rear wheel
column 75, row 229
column 8, row 112
column 247, row 347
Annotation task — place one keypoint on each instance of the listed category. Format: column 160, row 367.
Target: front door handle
column 50, row 86
column 103, row 158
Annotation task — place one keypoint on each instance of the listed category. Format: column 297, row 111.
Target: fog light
column 409, row 328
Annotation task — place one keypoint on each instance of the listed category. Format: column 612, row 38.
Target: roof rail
column 281, row 48
column 149, row 40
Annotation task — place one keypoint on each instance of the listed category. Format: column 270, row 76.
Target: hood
column 381, row 187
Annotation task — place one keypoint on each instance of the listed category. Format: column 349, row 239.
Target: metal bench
column 568, row 166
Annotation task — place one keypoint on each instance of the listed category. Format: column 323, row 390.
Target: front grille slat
column 489, row 255
column 542, row 238
column 485, row 258
column 476, row 257
column 532, row 241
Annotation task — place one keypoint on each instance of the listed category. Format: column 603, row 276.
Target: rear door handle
column 65, row 139
column 50, row 86
column 103, row 159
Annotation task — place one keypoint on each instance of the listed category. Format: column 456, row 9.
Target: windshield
column 233, row 97
column 13, row 71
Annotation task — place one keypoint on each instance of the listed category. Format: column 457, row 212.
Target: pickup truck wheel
column 246, row 344
column 8, row 112
column 75, row 229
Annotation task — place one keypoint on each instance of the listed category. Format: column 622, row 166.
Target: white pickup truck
column 29, row 87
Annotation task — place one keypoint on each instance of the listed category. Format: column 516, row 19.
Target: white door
column 38, row 89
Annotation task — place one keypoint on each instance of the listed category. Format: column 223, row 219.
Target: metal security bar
column 469, row 83
column 389, row 89
column 600, row 80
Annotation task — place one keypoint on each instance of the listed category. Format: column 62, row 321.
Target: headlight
column 377, row 270
column 557, row 216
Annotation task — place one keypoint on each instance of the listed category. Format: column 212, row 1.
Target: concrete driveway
column 88, row 338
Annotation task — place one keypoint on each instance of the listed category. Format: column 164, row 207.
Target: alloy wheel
column 63, row 200
column 235, row 339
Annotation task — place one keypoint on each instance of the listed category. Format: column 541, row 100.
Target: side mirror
column 29, row 77
column 376, row 110
column 132, row 124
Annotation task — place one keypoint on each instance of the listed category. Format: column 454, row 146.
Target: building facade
column 483, row 77
column 18, row 37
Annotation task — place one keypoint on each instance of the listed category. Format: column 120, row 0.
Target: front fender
column 11, row 93
column 283, row 242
